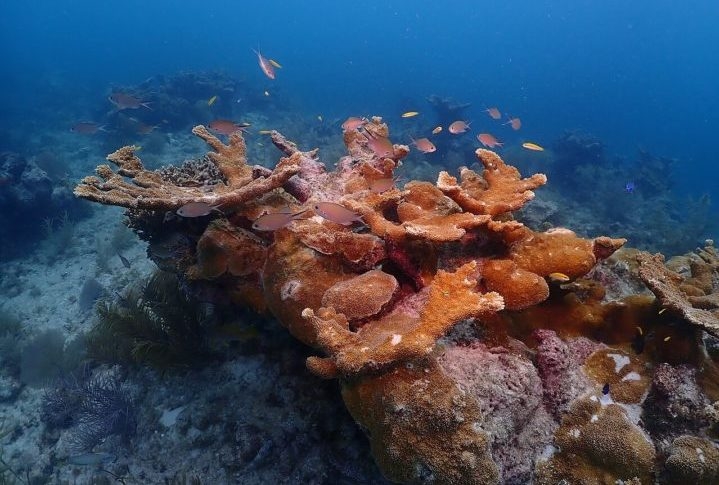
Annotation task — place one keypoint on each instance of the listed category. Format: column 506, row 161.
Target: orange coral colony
column 376, row 294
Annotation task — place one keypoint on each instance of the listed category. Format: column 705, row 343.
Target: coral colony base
column 470, row 348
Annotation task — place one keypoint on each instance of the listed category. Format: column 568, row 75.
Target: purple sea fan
column 106, row 409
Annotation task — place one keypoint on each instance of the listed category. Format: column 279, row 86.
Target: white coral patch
column 632, row 376
column 289, row 289
column 396, row 338
column 619, row 361
column 594, row 419
column 574, row 433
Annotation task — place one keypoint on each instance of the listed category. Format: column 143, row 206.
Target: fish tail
column 147, row 105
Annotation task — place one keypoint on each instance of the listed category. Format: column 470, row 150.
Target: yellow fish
column 212, row 100
column 275, row 63
column 437, row 130
column 264, row 132
column 559, row 277
column 532, row 146
column 410, row 114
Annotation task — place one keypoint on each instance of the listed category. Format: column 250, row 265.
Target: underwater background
column 620, row 95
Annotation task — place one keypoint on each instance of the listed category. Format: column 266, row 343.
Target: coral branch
column 500, row 189
column 399, row 337
column 153, row 191
column 666, row 285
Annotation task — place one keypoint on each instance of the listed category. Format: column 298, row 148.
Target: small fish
column 212, row 100
column 353, row 122
column 532, row 146
column 319, row 118
column 382, row 185
column 630, row 187
column 558, row 277
column 226, row 127
column 667, row 339
column 458, row 127
column 91, row 459
column 266, row 93
column 436, row 130
column 124, row 260
column 275, row 63
column 639, row 330
column 424, row 145
column 515, row 123
column 605, row 389
column 662, row 311
column 336, row 213
column 410, row 114
column 87, row 128
column 488, row 140
column 145, row 129
column 265, row 65
column 493, row 113
column 265, row 132
column 127, row 101
column 275, row 220
column 196, row 209
column 380, row 145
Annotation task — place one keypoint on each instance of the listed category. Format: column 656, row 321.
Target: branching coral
column 150, row 190
column 400, row 336
column 685, row 300
column 374, row 294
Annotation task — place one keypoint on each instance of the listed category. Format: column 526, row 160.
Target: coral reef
column 472, row 348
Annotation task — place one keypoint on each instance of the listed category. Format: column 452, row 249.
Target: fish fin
column 147, row 105
column 297, row 215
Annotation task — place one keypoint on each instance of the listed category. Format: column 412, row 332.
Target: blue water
column 635, row 74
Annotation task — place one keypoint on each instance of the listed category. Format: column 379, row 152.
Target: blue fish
column 629, row 187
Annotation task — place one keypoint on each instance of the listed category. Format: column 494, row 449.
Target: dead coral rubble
column 375, row 300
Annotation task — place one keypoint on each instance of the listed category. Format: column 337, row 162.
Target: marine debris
column 472, row 348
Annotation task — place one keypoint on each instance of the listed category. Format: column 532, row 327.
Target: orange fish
column 488, row 140
column 424, row 145
column 275, row 220
column 265, row 65
column 336, row 213
column 458, row 127
column 380, row 145
column 352, row 123
column 127, row 101
column 87, row 128
column 515, row 123
column 493, row 113
column 226, row 127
